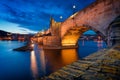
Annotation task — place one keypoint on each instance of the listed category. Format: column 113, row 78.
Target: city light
column 61, row 17
column 32, row 45
column 74, row 6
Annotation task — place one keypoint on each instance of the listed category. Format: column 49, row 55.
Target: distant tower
column 54, row 27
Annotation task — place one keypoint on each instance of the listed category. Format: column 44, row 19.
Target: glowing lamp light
column 74, row 6
column 61, row 17
column 32, row 45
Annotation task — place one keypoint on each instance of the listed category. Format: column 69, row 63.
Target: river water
column 32, row 65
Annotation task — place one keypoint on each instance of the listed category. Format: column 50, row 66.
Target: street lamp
column 61, row 17
column 74, row 6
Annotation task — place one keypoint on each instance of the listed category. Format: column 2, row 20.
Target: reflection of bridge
column 101, row 16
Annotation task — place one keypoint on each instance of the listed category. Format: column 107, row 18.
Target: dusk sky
column 30, row 16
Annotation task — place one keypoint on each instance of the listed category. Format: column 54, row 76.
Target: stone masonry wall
column 51, row 41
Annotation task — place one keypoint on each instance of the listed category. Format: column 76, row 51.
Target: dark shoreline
column 26, row 47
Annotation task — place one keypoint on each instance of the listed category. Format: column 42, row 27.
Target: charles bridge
column 102, row 17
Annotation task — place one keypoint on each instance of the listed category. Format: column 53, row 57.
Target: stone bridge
column 103, row 16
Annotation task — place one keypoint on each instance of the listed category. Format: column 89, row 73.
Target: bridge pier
column 113, row 33
column 51, row 42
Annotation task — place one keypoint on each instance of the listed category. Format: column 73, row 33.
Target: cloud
column 14, row 28
column 35, row 14
column 26, row 31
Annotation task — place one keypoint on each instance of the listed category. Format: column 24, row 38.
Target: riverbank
column 101, row 65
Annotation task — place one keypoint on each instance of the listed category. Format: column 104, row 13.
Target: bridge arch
column 72, row 36
column 98, row 16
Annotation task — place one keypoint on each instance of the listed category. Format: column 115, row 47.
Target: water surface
column 32, row 65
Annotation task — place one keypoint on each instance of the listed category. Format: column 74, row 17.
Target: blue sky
column 30, row 16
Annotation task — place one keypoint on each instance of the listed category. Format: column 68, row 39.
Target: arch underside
column 72, row 35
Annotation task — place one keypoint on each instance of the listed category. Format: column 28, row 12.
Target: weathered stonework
column 55, row 28
column 51, row 41
column 114, row 32
column 40, row 40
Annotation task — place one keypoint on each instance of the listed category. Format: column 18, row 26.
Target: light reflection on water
column 43, row 62
column 38, row 65
column 34, row 64
column 69, row 55
column 52, row 60
column 100, row 45
column 39, row 62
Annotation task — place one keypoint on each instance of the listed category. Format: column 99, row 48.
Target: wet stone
column 95, row 69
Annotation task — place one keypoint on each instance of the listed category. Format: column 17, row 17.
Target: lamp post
column 73, row 7
column 61, row 17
